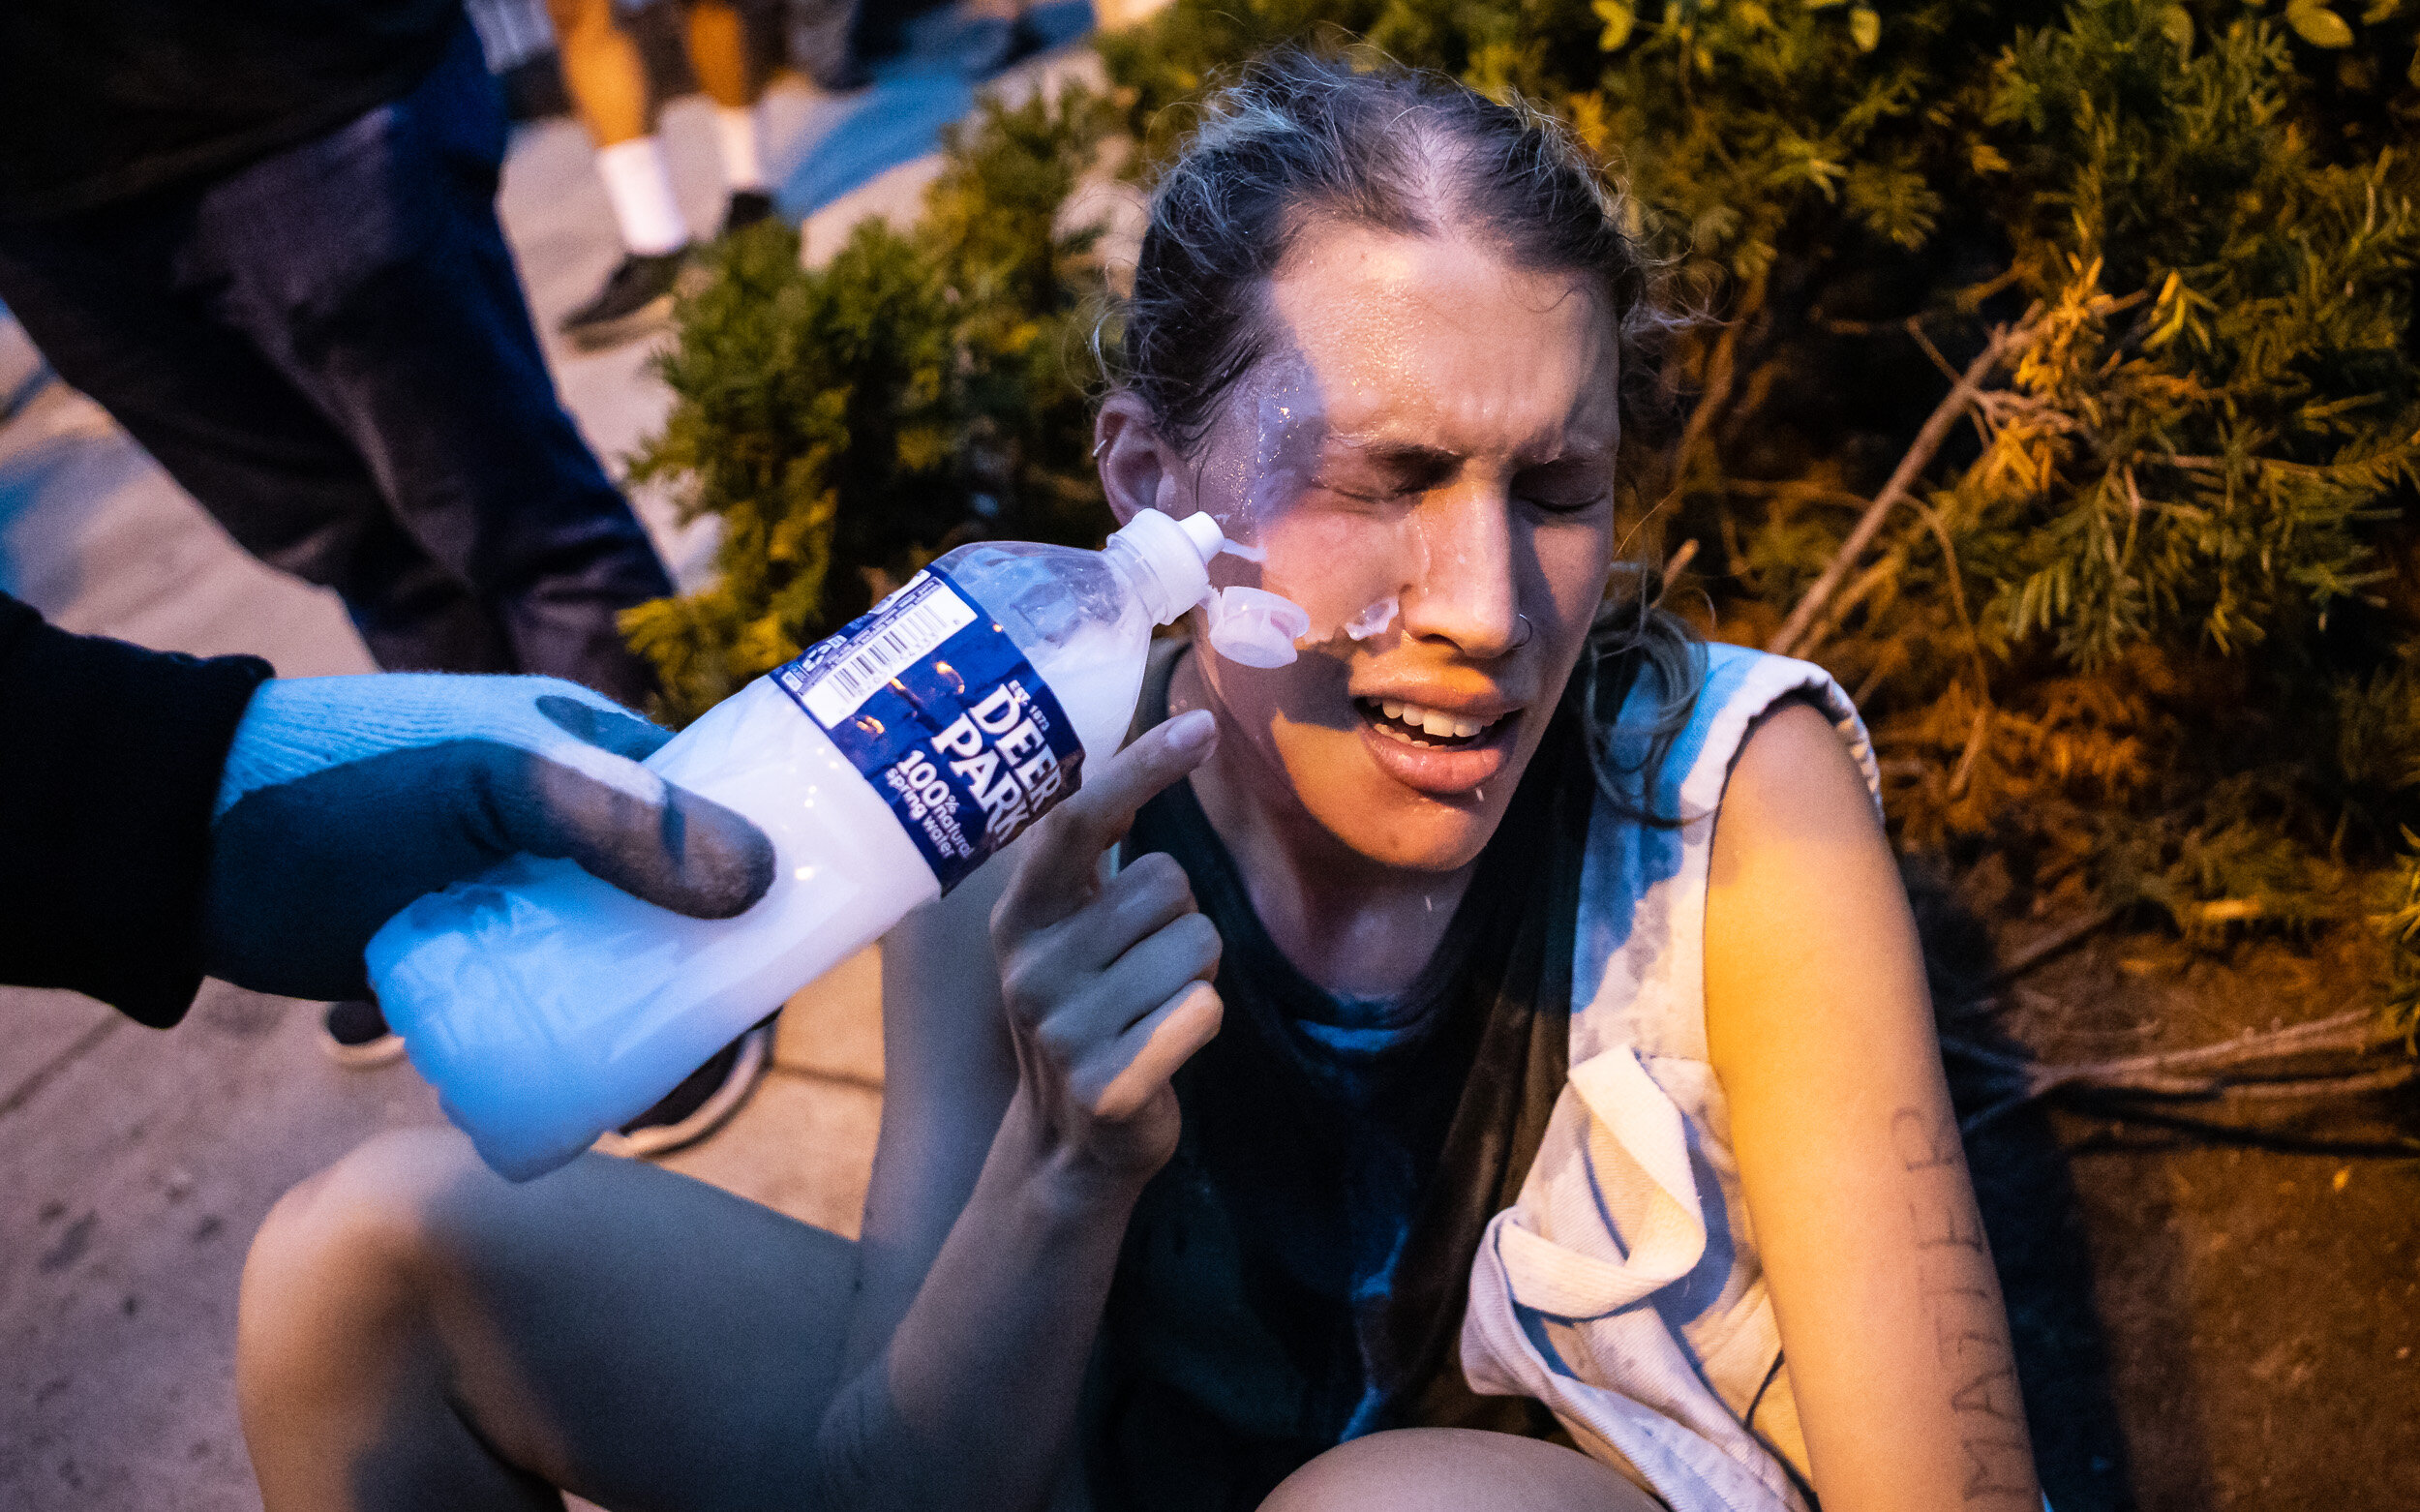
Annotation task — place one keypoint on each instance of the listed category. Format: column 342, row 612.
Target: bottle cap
column 1255, row 628
column 1178, row 553
column 1204, row 532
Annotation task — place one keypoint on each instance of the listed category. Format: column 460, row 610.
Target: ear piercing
column 1100, row 446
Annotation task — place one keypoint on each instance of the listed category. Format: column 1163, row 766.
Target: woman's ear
column 1138, row 471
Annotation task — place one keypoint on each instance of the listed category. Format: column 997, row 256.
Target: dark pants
column 329, row 349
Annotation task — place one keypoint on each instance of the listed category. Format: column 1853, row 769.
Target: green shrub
column 848, row 423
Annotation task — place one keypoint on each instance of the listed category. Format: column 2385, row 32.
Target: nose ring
column 1529, row 633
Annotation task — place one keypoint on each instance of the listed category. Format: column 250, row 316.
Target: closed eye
column 1561, row 506
column 1385, row 474
column 1568, row 486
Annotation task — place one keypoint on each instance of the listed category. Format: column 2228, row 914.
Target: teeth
column 1432, row 722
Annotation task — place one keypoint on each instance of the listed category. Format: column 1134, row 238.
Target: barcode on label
column 884, row 650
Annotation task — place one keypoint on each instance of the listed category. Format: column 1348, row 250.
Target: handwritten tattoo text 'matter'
column 1961, row 1295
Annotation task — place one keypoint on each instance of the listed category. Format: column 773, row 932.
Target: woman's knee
column 342, row 1265
column 1453, row 1469
column 377, row 1206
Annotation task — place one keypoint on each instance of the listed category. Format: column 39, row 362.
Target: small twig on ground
column 1916, row 328
column 1973, row 748
column 1973, row 297
column 1718, row 372
column 1893, row 658
column 2052, row 943
column 2004, row 340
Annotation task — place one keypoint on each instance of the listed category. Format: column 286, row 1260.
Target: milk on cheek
column 1349, row 563
column 1346, row 563
column 1251, row 475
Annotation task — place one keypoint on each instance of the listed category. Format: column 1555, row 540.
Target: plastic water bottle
column 887, row 764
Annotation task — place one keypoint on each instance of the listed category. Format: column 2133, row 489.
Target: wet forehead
column 1437, row 342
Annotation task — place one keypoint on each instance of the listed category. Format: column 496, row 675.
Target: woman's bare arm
column 1001, row 1199
column 1820, row 1027
column 947, row 1074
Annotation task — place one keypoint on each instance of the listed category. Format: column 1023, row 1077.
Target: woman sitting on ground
column 1576, row 1135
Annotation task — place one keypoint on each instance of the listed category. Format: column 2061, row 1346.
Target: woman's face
column 1426, row 458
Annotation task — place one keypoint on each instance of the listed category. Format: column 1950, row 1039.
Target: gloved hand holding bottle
column 344, row 799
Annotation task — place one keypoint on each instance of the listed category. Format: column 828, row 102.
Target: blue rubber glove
column 344, row 799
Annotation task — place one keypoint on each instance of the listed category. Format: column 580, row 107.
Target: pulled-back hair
column 1295, row 141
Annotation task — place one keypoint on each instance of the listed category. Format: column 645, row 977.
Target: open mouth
column 1428, row 729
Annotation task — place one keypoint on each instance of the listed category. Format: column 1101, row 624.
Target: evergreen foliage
column 848, row 423
column 2143, row 624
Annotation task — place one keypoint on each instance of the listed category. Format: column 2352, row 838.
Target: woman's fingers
column 1165, row 1038
column 1050, row 965
column 1099, row 1006
column 1059, row 875
column 1104, row 984
column 1140, row 901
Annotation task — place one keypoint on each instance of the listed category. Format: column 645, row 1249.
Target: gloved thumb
column 627, row 826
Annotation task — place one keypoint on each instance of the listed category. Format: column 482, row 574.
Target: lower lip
column 1442, row 771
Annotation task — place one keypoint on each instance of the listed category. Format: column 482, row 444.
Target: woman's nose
column 1468, row 589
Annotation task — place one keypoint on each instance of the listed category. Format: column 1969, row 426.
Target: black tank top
column 1296, row 1275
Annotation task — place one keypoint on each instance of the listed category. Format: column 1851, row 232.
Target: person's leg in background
column 719, row 54
column 100, row 296
column 832, row 42
column 370, row 268
column 607, row 79
column 329, row 349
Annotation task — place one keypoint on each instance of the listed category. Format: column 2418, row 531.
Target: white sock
column 640, row 187
column 734, row 132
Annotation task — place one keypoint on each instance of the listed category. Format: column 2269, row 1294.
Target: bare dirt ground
column 2207, row 1316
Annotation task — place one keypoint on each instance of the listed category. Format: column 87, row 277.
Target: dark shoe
column 699, row 1106
column 747, row 208
column 997, row 44
column 637, row 298
column 357, row 1035
column 844, row 74
column 833, row 41
column 534, row 88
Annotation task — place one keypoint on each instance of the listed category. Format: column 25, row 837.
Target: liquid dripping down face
column 1425, row 457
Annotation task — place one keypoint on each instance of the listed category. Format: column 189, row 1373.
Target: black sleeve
column 107, row 779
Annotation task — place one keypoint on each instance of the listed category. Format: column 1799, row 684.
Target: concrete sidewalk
column 135, row 1167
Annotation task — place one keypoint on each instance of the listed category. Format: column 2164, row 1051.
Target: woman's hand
column 1106, row 993
column 1107, row 983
